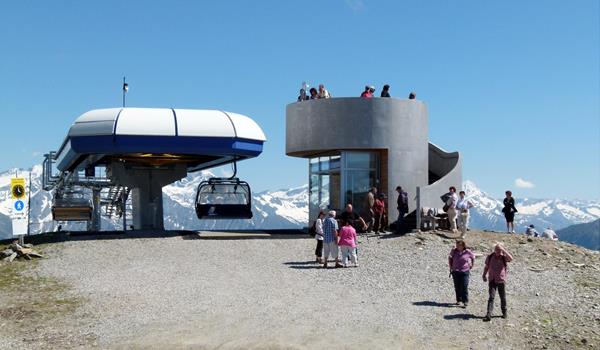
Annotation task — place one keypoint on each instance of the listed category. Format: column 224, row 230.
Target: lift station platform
column 110, row 154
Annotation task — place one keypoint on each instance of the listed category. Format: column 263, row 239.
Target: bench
column 428, row 218
column 434, row 218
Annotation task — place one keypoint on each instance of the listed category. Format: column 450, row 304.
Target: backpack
column 445, row 197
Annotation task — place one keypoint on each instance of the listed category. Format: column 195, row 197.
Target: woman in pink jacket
column 347, row 243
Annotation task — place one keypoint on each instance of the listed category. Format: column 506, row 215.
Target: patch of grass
column 28, row 297
column 9, row 275
column 587, row 283
column 38, row 311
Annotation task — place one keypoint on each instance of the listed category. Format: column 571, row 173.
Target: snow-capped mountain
column 555, row 213
column 272, row 209
column 41, row 219
column 288, row 209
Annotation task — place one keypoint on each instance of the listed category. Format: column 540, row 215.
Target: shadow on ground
column 64, row 236
column 243, row 235
column 311, row 262
column 392, row 234
column 462, row 316
column 303, row 265
column 434, row 303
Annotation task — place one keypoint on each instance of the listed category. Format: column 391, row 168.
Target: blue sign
column 19, row 205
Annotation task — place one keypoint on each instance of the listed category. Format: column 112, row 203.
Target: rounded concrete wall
column 447, row 165
column 398, row 126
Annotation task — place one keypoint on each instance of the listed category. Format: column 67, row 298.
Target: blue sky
column 513, row 85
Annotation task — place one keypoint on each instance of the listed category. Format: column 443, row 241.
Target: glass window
column 360, row 174
column 340, row 179
column 324, row 183
column 357, row 185
column 335, row 162
column 324, row 163
column 360, row 160
column 313, row 194
column 324, row 189
column 313, row 165
column 334, row 190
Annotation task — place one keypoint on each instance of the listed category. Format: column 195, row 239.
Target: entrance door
column 360, row 173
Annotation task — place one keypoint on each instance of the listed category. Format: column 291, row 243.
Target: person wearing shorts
column 330, row 239
column 509, row 211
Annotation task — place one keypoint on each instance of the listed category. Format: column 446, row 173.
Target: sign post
column 19, row 218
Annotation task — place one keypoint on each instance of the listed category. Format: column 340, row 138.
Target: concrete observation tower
column 353, row 144
column 110, row 154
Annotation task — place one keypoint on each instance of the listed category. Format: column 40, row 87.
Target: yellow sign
column 17, row 188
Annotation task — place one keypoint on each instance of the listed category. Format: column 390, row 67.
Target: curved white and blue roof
column 189, row 132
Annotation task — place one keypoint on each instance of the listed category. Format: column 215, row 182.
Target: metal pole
column 124, row 209
column 21, row 240
column 95, row 223
column 124, row 91
column 29, row 204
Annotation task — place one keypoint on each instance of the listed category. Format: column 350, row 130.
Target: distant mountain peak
column 557, row 213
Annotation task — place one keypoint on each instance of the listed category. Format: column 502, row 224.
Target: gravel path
column 205, row 291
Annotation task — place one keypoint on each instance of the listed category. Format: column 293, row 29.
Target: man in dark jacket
column 349, row 215
column 402, row 207
column 386, row 91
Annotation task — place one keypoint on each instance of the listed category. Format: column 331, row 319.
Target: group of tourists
column 548, row 233
column 315, row 94
column 336, row 237
column 385, row 92
column 509, row 210
column 377, row 213
column 331, row 238
column 460, row 262
column 376, row 216
column 334, row 230
column 375, row 219
column 457, row 207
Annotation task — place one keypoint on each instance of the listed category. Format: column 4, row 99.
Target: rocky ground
column 263, row 291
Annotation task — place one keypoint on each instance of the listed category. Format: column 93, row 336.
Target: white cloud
column 522, row 183
column 355, row 5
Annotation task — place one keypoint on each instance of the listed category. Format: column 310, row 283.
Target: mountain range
column 288, row 208
column 542, row 213
column 586, row 235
